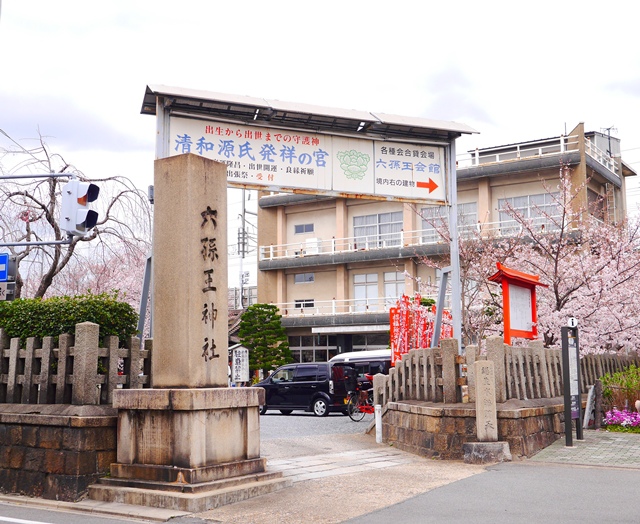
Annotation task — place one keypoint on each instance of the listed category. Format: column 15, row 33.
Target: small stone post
column 486, row 415
column 487, row 449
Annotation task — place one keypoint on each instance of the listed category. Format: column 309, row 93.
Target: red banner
column 412, row 326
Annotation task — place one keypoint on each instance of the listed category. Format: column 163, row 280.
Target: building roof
column 249, row 110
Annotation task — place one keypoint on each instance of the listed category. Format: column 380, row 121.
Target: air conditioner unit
column 312, row 246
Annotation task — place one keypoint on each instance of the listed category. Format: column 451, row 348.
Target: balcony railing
column 537, row 149
column 317, row 246
column 422, row 237
column 355, row 306
column 600, row 156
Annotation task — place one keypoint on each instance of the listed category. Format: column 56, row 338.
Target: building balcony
column 404, row 244
column 535, row 155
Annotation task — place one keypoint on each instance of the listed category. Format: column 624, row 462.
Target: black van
column 320, row 387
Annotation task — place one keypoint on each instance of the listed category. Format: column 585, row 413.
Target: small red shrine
column 518, row 302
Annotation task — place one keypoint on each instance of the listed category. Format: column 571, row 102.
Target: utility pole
column 243, row 244
column 242, row 248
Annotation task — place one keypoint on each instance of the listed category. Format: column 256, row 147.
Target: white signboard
column 240, row 365
column 520, row 308
column 279, row 159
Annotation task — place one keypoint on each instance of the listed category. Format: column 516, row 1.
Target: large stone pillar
column 190, row 309
column 189, row 432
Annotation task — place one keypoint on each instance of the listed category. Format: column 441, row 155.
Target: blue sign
column 4, row 267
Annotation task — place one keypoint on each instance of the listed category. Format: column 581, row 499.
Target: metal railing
column 536, row 149
column 420, row 237
column 352, row 306
column 600, row 156
column 311, row 307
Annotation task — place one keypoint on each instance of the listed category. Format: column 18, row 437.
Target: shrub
column 35, row 317
column 621, row 389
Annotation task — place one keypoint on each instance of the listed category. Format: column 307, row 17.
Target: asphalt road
column 274, row 425
column 18, row 514
column 529, row 492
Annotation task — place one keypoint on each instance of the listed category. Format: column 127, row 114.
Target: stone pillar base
column 183, row 476
column 187, row 449
column 193, row 498
column 486, row 452
column 187, row 428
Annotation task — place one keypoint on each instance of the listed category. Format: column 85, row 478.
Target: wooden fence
column 524, row 373
column 77, row 371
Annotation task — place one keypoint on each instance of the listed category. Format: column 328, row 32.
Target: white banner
column 278, row 159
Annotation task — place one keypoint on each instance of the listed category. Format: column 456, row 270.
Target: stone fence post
column 449, row 374
column 85, row 364
column 496, row 353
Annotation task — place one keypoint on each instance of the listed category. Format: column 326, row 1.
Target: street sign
column 4, row 267
column 240, row 363
column 571, row 383
column 7, row 290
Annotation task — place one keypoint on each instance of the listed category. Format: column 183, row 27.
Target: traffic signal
column 75, row 216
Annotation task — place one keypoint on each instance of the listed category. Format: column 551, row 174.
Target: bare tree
column 29, row 212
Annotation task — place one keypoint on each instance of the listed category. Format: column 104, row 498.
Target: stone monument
column 185, row 441
column 487, row 449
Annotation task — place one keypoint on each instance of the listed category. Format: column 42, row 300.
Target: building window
column 304, row 278
column 370, row 341
column 379, row 230
column 467, row 214
column 393, row 286
column 365, row 292
column 303, row 228
column 434, row 220
column 294, row 341
column 314, row 348
column 304, row 303
column 596, row 204
column 540, row 209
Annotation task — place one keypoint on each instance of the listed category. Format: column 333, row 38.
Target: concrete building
column 334, row 266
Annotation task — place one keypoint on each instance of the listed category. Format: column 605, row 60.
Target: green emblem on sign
column 353, row 163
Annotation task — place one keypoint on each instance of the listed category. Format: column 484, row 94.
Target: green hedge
column 622, row 389
column 35, row 317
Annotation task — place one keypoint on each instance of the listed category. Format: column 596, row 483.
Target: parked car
column 368, row 362
column 320, row 387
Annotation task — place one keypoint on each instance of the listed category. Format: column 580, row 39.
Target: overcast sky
column 75, row 71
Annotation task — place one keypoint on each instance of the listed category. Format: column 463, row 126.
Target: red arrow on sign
column 431, row 185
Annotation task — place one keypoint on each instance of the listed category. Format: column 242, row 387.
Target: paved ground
column 596, row 480
column 335, row 486
column 599, row 448
column 366, row 481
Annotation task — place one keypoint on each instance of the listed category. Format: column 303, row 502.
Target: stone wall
column 55, row 451
column 439, row 430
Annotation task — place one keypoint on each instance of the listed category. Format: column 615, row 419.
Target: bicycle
column 360, row 402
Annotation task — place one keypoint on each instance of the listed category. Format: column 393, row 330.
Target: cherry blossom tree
column 479, row 250
column 592, row 270
column 111, row 256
